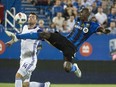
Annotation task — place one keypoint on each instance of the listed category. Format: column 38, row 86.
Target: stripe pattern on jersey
column 82, row 31
column 33, row 59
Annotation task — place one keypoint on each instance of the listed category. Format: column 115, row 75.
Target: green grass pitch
column 66, row 85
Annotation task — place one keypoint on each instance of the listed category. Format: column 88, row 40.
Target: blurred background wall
column 93, row 72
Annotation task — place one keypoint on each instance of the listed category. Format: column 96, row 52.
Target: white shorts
column 27, row 66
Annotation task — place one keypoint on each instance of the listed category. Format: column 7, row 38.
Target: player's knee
column 18, row 75
column 67, row 66
column 45, row 35
column 26, row 84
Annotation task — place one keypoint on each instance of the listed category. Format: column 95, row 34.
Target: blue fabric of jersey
column 30, row 35
column 82, row 31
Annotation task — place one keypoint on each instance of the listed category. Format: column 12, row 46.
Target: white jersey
column 28, row 54
column 28, row 46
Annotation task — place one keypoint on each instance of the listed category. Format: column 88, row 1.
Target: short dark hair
column 35, row 15
column 85, row 9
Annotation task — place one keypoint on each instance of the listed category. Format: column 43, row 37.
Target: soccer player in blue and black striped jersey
column 69, row 45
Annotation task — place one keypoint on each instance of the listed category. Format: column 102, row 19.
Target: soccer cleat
column 47, row 84
column 78, row 71
column 12, row 35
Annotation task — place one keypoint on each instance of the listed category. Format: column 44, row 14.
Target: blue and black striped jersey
column 82, row 31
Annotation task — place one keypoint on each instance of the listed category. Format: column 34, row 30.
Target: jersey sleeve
column 95, row 26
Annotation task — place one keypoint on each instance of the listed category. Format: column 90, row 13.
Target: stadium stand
column 28, row 7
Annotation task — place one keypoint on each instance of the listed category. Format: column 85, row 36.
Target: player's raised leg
column 32, row 35
column 18, row 80
column 15, row 37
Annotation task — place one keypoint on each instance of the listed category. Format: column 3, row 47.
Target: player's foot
column 78, row 71
column 13, row 40
column 47, row 84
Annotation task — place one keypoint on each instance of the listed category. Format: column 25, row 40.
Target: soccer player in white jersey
column 28, row 57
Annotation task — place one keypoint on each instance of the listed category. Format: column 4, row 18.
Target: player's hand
column 107, row 31
column 104, row 30
column 9, row 43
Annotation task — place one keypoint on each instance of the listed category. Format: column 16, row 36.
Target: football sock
column 36, row 84
column 18, row 82
column 73, row 68
column 28, row 36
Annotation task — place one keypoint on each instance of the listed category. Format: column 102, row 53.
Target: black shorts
column 63, row 44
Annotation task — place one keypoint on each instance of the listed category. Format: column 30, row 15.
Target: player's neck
column 31, row 26
column 85, row 20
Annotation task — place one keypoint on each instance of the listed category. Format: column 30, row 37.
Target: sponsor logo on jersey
column 77, row 26
column 85, row 29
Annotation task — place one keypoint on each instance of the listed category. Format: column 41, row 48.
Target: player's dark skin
column 84, row 14
column 67, row 64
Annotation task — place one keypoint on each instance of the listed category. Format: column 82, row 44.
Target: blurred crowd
column 63, row 13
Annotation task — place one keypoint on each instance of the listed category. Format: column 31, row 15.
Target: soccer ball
column 20, row 18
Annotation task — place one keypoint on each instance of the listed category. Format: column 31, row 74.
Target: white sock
column 18, row 82
column 36, row 84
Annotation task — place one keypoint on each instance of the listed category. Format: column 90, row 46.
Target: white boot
column 47, row 84
column 78, row 71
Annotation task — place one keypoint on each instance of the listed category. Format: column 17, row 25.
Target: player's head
column 33, row 18
column 41, row 23
column 84, row 14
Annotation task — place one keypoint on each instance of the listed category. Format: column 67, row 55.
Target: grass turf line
column 66, row 85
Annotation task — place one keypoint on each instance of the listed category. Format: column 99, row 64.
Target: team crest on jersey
column 85, row 30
